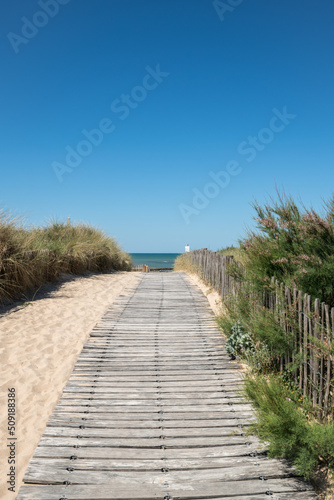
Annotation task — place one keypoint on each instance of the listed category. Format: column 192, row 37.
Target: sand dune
column 39, row 345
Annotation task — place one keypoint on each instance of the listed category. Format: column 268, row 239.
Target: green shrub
column 241, row 344
column 270, row 339
column 293, row 244
column 289, row 431
column 260, row 358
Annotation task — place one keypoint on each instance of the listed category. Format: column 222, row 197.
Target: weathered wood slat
column 181, row 389
column 95, row 476
column 176, row 413
column 169, row 425
column 181, row 386
column 167, row 400
column 152, row 464
column 170, row 442
column 169, row 403
column 106, row 432
column 181, row 380
column 159, row 416
column 144, row 453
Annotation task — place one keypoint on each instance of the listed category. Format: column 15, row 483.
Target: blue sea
column 154, row 260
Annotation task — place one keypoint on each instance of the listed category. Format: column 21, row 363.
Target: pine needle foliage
column 287, row 427
column 293, row 244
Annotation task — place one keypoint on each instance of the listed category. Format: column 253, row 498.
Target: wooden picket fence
column 213, row 268
column 309, row 322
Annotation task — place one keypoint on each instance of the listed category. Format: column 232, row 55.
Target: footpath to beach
column 152, row 410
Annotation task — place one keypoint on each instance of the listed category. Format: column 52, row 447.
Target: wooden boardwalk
column 152, row 411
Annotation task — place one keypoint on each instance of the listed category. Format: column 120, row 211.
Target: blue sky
column 177, row 89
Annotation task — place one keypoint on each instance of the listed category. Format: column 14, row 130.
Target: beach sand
column 40, row 342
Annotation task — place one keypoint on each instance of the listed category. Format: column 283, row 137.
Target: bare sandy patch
column 40, row 342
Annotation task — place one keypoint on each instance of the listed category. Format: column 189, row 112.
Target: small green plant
column 29, row 302
column 239, row 342
column 260, row 358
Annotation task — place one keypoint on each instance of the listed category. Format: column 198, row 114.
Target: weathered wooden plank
column 148, row 387
column 180, row 391
column 46, row 473
column 152, row 402
column 106, row 432
column 113, row 371
column 166, row 397
column 171, row 411
column 183, row 385
column 156, row 400
column 92, row 412
column 168, row 374
column 84, row 439
column 149, row 464
column 144, row 453
column 103, row 421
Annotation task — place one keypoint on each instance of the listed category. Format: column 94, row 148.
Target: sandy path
column 39, row 345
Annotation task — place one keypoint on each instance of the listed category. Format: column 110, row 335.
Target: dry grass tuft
column 183, row 263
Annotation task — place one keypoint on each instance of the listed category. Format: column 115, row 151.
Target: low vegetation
column 236, row 252
column 31, row 257
column 183, row 263
column 290, row 429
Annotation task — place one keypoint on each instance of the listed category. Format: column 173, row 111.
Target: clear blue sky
column 180, row 88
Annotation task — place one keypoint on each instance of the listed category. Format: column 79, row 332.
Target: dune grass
column 30, row 258
column 183, row 263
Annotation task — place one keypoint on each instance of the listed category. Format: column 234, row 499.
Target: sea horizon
column 154, row 259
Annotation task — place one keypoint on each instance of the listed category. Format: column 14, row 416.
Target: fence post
column 328, row 375
column 315, row 364
column 300, row 338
